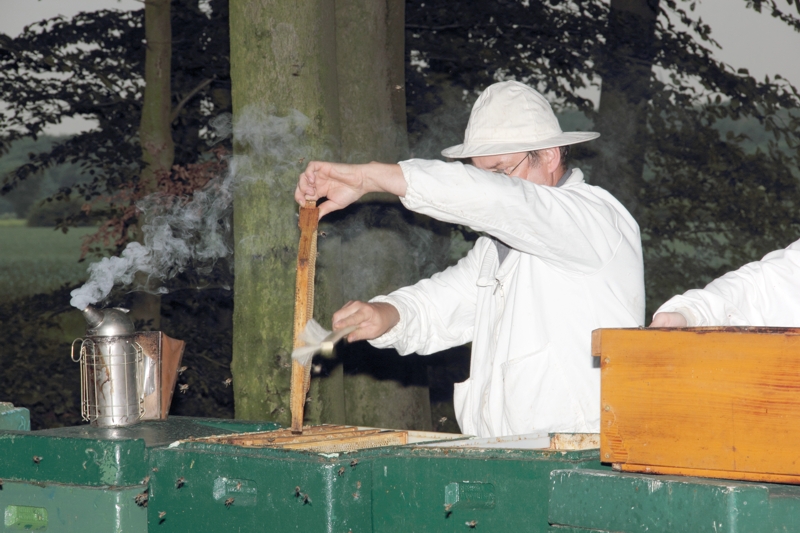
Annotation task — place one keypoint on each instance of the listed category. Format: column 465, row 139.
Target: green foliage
column 38, row 260
column 44, row 184
column 92, row 66
column 50, row 214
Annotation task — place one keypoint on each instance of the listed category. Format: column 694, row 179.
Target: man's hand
column 669, row 320
column 372, row 319
column 343, row 184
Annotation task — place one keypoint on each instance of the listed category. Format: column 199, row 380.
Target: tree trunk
column 622, row 117
column 370, row 40
column 379, row 387
column 283, row 54
column 330, row 61
column 155, row 133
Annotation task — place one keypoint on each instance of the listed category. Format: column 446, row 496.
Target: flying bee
column 37, row 459
column 180, row 482
column 323, row 234
column 353, row 463
column 183, row 387
column 442, row 420
column 358, row 484
column 229, row 502
column 447, row 507
column 227, row 382
column 472, row 524
column 182, row 369
column 162, row 514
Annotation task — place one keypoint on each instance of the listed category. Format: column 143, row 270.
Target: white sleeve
column 436, row 313
column 570, row 227
column 762, row 293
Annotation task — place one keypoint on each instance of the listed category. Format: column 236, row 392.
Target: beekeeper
column 560, row 258
column 762, row 293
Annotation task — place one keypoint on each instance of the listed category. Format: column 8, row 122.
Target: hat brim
column 461, row 151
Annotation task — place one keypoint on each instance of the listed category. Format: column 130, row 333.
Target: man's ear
column 552, row 158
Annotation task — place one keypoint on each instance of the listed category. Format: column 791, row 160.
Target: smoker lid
column 112, row 322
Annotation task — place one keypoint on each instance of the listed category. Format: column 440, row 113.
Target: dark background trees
column 705, row 156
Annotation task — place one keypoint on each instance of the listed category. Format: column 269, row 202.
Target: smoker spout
column 110, row 322
column 93, row 316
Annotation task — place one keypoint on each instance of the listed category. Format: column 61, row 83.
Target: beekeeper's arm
column 429, row 316
column 762, row 293
column 571, row 227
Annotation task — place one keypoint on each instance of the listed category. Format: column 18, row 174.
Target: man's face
column 521, row 165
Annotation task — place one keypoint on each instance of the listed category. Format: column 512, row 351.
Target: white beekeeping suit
column 762, row 293
column 574, row 265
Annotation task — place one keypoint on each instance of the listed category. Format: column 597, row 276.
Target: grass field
column 35, row 260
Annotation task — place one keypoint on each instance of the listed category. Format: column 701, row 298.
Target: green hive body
column 632, row 503
column 12, row 417
column 401, row 489
column 86, row 479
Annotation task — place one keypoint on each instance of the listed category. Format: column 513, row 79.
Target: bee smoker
column 126, row 375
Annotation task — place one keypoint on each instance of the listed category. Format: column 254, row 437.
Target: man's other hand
column 669, row 320
column 371, row 319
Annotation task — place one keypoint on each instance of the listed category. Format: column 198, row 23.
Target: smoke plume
column 181, row 233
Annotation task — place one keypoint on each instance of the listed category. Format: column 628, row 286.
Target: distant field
column 35, row 260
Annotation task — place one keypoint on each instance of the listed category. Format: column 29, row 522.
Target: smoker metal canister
column 111, row 368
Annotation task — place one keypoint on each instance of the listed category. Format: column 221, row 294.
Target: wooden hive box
column 708, row 402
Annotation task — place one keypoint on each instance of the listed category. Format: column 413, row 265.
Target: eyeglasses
column 510, row 172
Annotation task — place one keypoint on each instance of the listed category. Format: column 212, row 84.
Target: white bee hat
column 511, row 117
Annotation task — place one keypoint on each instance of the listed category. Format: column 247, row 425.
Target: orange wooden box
column 708, row 402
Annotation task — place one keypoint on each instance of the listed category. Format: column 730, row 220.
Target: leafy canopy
column 92, row 66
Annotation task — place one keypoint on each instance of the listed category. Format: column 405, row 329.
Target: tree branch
column 188, row 97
